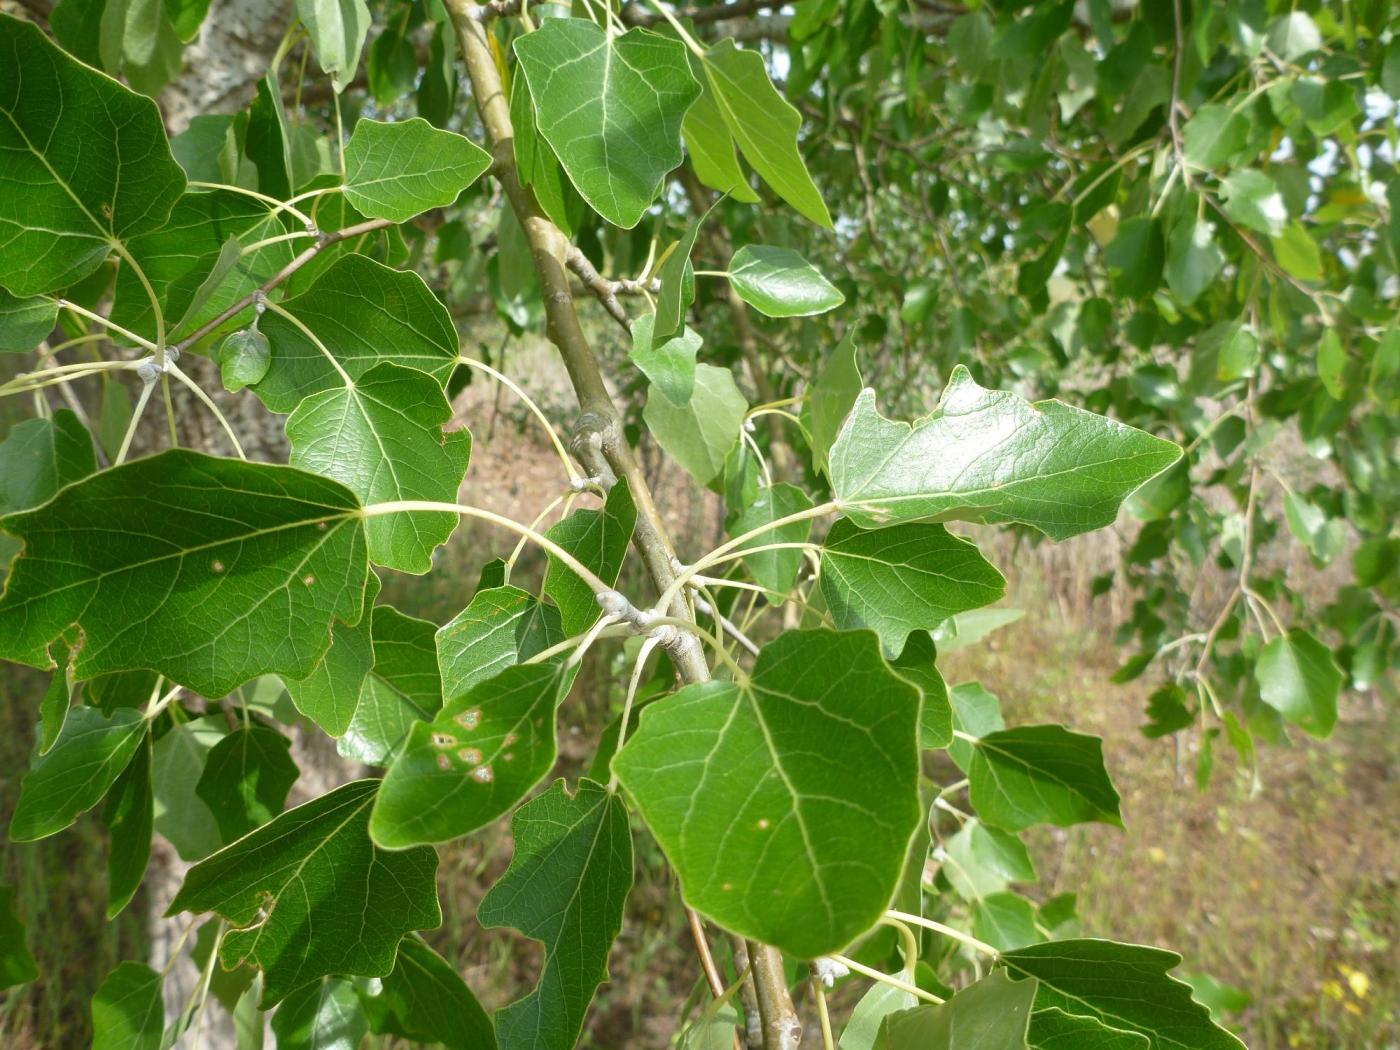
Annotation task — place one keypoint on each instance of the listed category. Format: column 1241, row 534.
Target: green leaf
column 16, row 963
column 677, row 287
column 1214, row 135
column 502, row 626
column 785, row 803
column 980, row 861
column 129, row 816
column 1294, row 35
column 309, row 895
column 127, row 1011
column 777, row 282
column 775, row 570
column 426, row 1000
column 565, row 887
column 39, row 457
column 85, row 164
column 139, row 41
column 178, row 761
column 399, row 170
column 764, row 124
column 54, row 708
column 403, row 688
column 330, row 694
column 365, row 313
column 209, row 571
column 1332, row 364
column 988, row 455
column 1055, row 1029
column 1194, row 260
column 611, row 109
column 990, row 1015
column 24, row 323
column 868, row 1016
column 74, row 775
column 709, row 143
column 902, row 579
column 1298, row 676
column 1124, row 986
column 537, row 165
column 244, row 358
column 832, row 398
column 323, row 1015
column 598, row 539
column 1298, row 253
column 699, row 434
column 669, row 365
column 337, row 29
column 246, row 778
column 391, row 67
column 482, row 753
column 976, row 712
column 916, row 666
column 1252, row 199
column 1135, row 257
column 1167, row 712
column 381, row 436
column 1005, row 921
column 1041, row 775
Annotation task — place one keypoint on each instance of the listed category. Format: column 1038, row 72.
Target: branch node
column 828, row 970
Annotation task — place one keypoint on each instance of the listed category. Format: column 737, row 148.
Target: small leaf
column 399, row 170
column 1194, row 260
column 903, row 579
column 244, row 358
column 77, row 771
column 86, row 164
column 1041, row 774
column 246, row 778
column 979, row 861
column 129, row 817
column 669, row 365
column 403, row 688
column 323, row 1015
column 991, row 1014
column 1135, row 257
column 309, row 895
column 337, row 30
column 611, row 109
column 1298, row 676
column 1214, row 135
column 598, row 539
column 565, row 887
column 916, row 665
column 25, row 323
column 764, row 124
column 976, row 712
column 868, row 1016
column 502, row 626
column 1167, row 712
column 330, row 694
column 210, row 571
column 1252, row 199
column 127, row 1011
column 1298, row 253
column 482, row 753
column 777, row 282
column 677, row 287
column 1125, row 986
column 777, row 569
column 700, row 433
column 832, row 397
column 16, row 963
column 40, row 456
column 1294, row 35
column 1005, row 921
column 426, row 1000
column 1332, row 365
column 988, row 455
column 804, row 779
column 177, row 762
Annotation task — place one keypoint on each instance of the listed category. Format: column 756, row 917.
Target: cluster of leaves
column 788, row 793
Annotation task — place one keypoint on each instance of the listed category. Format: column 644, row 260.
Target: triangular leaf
column 1041, row 775
column 399, row 170
column 1298, row 676
column 502, row 626
column 598, row 539
column 565, row 887
column 309, row 895
column 246, row 778
column 426, row 1000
